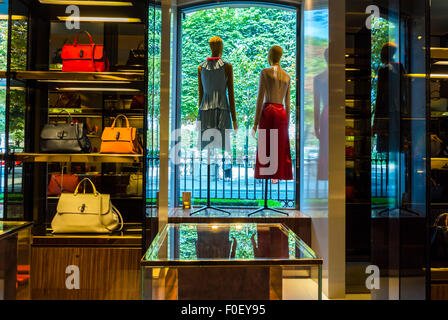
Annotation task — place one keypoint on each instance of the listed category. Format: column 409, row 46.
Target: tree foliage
column 248, row 33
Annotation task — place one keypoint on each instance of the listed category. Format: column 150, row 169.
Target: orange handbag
column 62, row 183
column 119, row 139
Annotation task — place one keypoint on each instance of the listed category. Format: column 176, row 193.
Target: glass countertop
column 10, row 227
column 188, row 244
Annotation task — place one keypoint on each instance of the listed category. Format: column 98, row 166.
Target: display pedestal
column 266, row 208
column 209, row 206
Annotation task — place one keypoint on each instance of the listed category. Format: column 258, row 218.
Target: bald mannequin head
column 216, row 45
column 275, row 55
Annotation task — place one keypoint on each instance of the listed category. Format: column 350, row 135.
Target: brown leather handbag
column 119, row 139
column 68, row 100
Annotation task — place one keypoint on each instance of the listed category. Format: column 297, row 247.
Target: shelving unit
column 77, row 157
column 358, row 154
column 439, row 129
column 103, row 96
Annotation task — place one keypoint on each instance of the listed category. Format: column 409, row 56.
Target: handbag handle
column 121, row 116
column 140, row 45
column 95, row 192
column 69, row 116
column 443, row 215
column 81, row 32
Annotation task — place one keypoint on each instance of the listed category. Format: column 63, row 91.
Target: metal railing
column 379, row 175
column 233, row 181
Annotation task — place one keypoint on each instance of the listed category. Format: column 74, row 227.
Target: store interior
column 357, row 212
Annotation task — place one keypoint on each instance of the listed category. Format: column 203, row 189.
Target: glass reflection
column 314, row 135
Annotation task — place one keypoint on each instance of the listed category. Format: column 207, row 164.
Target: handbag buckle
column 81, row 53
column 117, row 136
column 62, row 134
column 82, row 208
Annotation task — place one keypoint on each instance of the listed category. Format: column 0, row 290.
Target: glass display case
column 15, row 253
column 230, row 261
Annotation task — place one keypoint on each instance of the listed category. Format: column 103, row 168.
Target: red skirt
column 273, row 117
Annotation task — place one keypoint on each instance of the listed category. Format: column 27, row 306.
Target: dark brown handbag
column 137, row 56
column 68, row 100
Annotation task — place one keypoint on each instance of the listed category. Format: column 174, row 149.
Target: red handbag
column 84, row 57
column 62, row 183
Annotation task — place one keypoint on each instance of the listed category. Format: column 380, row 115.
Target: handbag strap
column 60, row 186
column 95, row 192
column 81, row 32
column 121, row 116
column 120, row 218
column 140, row 45
column 69, row 116
column 79, row 137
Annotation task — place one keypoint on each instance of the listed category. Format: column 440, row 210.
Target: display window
column 295, row 148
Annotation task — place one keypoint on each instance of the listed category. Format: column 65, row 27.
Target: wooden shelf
column 124, row 197
column 81, row 115
column 78, row 157
column 79, row 76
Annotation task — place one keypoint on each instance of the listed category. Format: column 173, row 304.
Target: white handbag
column 86, row 213
column 135, row 186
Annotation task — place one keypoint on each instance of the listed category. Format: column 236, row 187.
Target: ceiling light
column 98, row 19
column 88, row 3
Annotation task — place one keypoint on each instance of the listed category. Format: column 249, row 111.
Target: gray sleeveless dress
column 214, row 111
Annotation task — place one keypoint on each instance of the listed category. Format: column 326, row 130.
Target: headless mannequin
column 222, row 96
column 273, row 96
column 216, row 46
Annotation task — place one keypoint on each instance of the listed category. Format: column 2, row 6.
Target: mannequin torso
column 274, row 87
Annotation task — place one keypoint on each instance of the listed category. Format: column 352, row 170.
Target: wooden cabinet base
column 104, row 273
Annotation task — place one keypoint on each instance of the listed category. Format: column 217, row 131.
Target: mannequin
column 391, row 100
column 216, row 94
column 272, row 116
column 216, row 106
column 274, row 92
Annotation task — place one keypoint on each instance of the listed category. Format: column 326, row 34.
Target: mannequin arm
column 231, row 90
column 288, row 101
column 201, row 88
column 260, row 100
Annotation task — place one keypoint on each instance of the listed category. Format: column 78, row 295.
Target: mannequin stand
column 266, row 208
column 209, row 206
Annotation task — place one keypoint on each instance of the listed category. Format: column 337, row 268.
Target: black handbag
column 136, row 56
column 67, row 137
column 439, row 241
